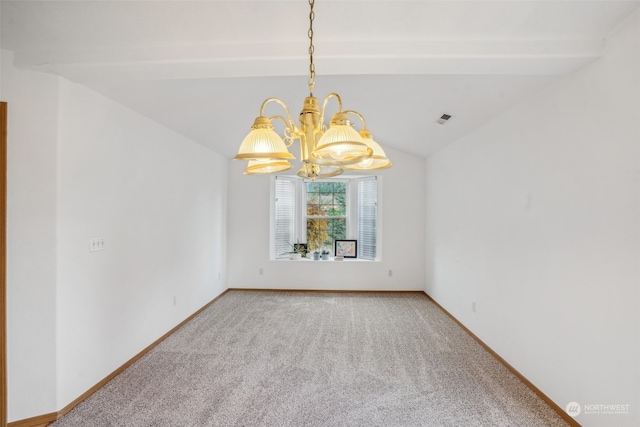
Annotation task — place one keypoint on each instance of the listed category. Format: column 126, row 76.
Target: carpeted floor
column 316, row 359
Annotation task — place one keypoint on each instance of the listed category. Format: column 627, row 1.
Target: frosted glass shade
column 340, row 144
column 257, row 167
column 378, row 160
column 263, row 143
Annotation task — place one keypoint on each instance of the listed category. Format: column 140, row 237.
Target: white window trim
column 300, row 214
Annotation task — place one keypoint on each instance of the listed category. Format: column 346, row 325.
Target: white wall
column 82, row 166
column 535, row 216
column 31, row 239
column 158, row 200
column 403, row 249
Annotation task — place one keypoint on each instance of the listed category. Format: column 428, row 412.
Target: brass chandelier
column 325, row 152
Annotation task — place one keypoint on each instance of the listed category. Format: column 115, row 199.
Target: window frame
column 303, row 208
column 300, row 214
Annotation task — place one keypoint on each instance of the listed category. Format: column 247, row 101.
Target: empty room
column 320, row 213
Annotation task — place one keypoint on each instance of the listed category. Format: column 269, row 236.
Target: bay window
column 320, row 212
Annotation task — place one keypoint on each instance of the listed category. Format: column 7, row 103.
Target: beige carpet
column 316, row 359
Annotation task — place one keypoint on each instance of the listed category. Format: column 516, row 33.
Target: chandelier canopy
column 325, row 152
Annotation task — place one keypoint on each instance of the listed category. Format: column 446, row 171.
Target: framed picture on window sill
column 346, row 248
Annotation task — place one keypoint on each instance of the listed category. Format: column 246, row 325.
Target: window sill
column 330, row 260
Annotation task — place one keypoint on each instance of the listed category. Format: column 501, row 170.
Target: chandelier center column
column 310, row 125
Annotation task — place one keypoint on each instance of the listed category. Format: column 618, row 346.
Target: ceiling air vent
column 443, row 119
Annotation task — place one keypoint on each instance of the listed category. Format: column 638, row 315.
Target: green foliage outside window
column 326, row 214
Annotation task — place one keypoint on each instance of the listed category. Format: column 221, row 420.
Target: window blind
column 284, row 213
column 367, row 215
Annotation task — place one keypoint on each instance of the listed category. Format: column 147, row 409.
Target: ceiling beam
column 453, row 57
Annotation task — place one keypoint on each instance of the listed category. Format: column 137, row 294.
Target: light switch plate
column 96, row 244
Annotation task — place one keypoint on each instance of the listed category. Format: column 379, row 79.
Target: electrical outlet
column 390, row 273
column 473, row 306
column 175, row 300
column 96, row 244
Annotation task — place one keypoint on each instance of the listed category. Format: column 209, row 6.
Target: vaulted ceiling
column 203, row 68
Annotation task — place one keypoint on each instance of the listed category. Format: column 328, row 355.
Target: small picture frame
column 346, row 248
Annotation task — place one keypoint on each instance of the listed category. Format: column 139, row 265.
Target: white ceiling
column 203, row 68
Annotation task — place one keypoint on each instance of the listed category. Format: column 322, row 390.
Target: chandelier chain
column 312, row 67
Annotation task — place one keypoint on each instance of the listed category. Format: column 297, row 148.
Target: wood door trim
column 3, row 264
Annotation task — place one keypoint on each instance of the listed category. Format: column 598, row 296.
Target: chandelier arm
column 290, row 124
column 326, row 100
column 355, row 113
column 272, row 118
column 289, row 138
column 289, row 134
